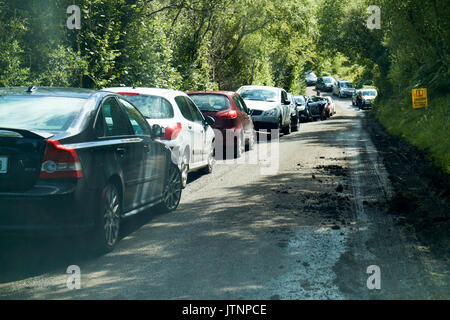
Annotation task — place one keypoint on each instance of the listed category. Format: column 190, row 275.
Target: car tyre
column 184, row 168
column 172, row 190
column 211, row 160
column 294, row 126
column 106, row 233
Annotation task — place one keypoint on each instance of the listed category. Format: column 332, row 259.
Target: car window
column 283, row 96
column 114, row 118
column 258, row 94
column 239, row 104
column 184, row 108
column 153, row 107
column 196, row 114
column 139, row 124
column 242, row 102
column 39, row 113
column 210, row 102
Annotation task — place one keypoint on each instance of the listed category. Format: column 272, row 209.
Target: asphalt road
column 305, row 223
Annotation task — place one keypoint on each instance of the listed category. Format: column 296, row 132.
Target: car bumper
column 264, row 122
column 303, row 114
column 51, row 212
column 366, row 104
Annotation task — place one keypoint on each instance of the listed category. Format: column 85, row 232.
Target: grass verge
column 427, row 128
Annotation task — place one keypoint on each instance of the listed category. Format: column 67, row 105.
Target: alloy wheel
column 172, row 191
column 111, row 215
column 184, row 168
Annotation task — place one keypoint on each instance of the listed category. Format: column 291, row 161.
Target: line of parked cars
column 363, row 98
column 76, row 160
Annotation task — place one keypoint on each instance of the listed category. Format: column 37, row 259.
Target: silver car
column 186, row 132
column 270, row 107
column 343, row 89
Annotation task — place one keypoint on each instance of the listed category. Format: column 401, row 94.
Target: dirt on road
column 341, row 200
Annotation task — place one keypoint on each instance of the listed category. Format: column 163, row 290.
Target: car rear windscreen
column 152, row 107
column 211, row 102
column 39, row 113
column 369, row 93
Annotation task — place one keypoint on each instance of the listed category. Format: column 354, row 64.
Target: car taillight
column 60, row 162
column 232, row 114
column 128, row 93
column 172, row 131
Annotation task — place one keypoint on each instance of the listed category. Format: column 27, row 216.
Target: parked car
column 310, row 78
column 330, row 108
column 74, row 161
column 343, row 89
column 303, row 109
column 368, row 95
column 233, row 124
column 186, row 132
column 317, row 107
column 295, row 118
column 325, row 84
column 270, row 107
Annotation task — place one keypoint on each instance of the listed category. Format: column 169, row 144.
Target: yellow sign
column 419, row 98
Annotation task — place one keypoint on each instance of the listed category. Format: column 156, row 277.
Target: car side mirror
column 286, row 102
column 156, row 131
column 210, row 121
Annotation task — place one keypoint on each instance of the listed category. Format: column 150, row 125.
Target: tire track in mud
column 376, row 240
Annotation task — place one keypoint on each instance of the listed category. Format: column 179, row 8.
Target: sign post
column 419, row 98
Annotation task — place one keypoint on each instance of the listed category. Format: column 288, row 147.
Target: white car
column 269, row 107
column 185, row 131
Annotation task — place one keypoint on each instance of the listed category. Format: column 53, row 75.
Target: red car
column 234, row 126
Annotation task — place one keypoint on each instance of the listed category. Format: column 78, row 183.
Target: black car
column 325, row 84
column 317, row 107
column 304, row 114
column 74, row 160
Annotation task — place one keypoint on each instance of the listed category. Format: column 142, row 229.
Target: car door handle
column 189, row 126
column 120, row 151
column 147, row 148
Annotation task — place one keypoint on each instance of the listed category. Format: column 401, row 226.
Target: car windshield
column 153, row 107
column 258, row 94
column 369, row 93
column 327, row 80
column 211, row 102
column 346, row 85
column 39, row 113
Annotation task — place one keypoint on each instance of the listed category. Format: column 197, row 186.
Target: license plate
column 3, row 164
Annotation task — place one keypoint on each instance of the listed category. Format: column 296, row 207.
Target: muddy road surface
column 312, row 222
